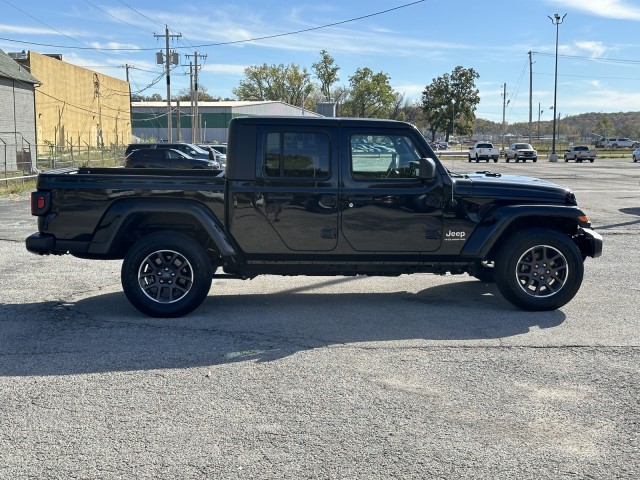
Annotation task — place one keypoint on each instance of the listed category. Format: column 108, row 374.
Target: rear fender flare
column 115, row 219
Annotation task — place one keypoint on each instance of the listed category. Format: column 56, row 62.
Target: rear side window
column 296, row 155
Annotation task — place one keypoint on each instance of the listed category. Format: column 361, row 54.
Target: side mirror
column 428, row 169
column 470, row 148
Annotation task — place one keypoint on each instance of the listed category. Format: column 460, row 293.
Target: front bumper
column 590, row 242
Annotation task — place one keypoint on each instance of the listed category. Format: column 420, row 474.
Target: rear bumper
column 590, row 242
column 46, row 244
column 40, row 243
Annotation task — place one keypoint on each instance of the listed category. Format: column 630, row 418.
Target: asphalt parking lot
column 419, row 376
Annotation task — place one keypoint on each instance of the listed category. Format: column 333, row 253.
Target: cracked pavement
column 418, row 376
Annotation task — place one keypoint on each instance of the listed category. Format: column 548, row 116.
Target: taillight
column 40, row 203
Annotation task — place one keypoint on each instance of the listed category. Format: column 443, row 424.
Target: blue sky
column 415, row 42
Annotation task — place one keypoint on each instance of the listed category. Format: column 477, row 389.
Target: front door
column 386, row 207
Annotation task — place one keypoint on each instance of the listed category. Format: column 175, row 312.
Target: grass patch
column 17, row 187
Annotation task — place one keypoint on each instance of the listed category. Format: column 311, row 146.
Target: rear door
column 385, row 206
column 296, row 190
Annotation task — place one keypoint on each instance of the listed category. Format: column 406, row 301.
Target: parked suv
column 619, row 143
column 190, row 149
column 166, row 158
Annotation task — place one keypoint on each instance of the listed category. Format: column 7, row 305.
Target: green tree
column 371, row 95
column 450, row 102
column 604, row 125
column 326, row 72
column 286, row 83
column 184, row 95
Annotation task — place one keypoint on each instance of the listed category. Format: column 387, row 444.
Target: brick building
column 75, row 106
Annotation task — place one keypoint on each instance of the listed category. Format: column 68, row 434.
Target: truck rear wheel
column 539, row 269
column 166, row 274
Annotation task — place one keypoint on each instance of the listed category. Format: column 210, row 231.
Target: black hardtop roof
column 320, row 121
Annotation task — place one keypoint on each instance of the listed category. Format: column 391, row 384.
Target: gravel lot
column 418, row 376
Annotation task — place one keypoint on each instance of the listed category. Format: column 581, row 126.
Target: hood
column 496, row 185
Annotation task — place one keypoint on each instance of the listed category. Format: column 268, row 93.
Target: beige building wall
column 79, row 107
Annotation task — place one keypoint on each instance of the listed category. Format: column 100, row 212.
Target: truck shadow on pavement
column 628, row 211
column 105, row 333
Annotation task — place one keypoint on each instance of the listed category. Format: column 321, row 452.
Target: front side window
column 297, row 155
column 383, row 156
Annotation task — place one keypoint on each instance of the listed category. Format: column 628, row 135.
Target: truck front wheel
column 539, row 269
column 166, row 274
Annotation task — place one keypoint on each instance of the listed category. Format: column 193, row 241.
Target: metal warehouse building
column 149, row 119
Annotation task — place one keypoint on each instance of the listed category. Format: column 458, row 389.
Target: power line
column 86, row 47
column 217, row 44
column 592, row 59
column 118, row 19
column 141, row 14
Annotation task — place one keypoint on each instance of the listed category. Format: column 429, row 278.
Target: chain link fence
column 19, row 162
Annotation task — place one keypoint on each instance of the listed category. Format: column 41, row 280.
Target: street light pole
column 556, row 20
column 453, row 116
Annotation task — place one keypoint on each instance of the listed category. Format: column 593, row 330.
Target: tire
column 539, row 269
column 535, row 160
column 167, row 258
column 469, row 158
column 591, row 160
column 507, row 159
column 615, row 145
column 566, row 159
column 635, row 159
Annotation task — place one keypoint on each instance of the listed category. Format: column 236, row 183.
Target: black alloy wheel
column 539, row 269
column 166, row 274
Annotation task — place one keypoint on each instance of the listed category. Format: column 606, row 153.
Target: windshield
column 198, row 149
column 523, row 146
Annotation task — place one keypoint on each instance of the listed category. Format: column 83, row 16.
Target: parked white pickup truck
column 580, row 153
column 483, row 151
column 521, row 151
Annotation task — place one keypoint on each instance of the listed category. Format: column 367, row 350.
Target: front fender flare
column 492, row 227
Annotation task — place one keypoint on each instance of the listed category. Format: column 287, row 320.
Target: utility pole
column 195, row 126
column 127, row 67
column 178, row 121
column 530, row 96
column 539, row 112
column 505, row 102
column 169, row 58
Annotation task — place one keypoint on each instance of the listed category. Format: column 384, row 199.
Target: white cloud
column 113, row 46
column 596, row 49
column 619, row 9
column 230, row 69
column 26, row 30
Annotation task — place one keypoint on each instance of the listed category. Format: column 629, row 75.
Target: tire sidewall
column 185, row 246
column 512, row 251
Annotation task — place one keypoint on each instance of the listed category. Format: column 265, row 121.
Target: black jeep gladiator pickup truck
column 316, row 196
